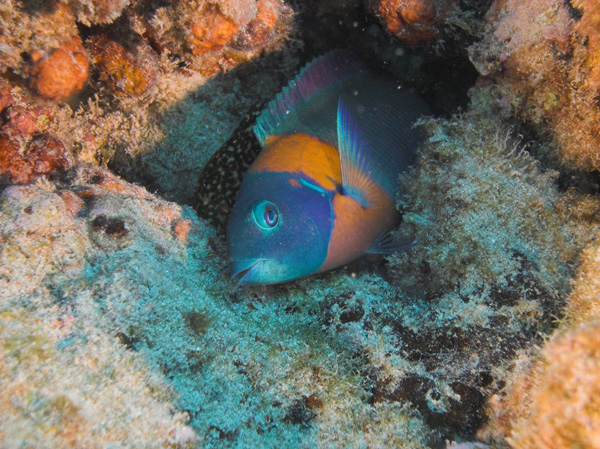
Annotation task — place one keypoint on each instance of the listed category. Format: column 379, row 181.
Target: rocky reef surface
column 119, row 324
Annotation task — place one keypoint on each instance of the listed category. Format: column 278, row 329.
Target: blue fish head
column 279, row 228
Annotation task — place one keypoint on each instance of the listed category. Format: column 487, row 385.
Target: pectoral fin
column 359, row 171
column 387, row 243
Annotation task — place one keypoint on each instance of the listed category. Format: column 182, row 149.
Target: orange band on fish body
column 355, row 228
column 301, row 153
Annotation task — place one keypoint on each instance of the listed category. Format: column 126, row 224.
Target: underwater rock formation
column 120, row 324
column 217, row 35
column 543, row 56
column 497, row 245
column 551, row 400
column 66, row 380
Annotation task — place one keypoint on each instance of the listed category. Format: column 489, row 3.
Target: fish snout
column 245, row 271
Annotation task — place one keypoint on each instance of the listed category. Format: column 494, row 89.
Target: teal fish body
column 321, row 191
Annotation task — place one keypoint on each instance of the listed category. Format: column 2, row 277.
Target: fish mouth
column 241, row 276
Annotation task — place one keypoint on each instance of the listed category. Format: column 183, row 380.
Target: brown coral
column 588, row 26
column 124, row 71
column 45, row 156
column 211, row 30
column 260, row 30
column 60, row 72
column 413, row 21
column 12, row 164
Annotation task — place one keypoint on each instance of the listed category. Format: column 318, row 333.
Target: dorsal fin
column 360, row 171
column 325, row 71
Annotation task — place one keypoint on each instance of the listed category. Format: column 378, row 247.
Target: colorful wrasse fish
column 321, row 192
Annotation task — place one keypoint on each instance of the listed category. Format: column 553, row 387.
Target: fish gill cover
column 119, row 324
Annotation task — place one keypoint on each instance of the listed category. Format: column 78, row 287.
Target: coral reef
column 463, row 206
column 551, row 397
column 337, row 360
column 46, row 48
column 60, row 72
column 26, row 32
column 45, row 156
column 126, row 72
column 541, row 59
column 542, row 55
column 488, row 273
column 217, row 35
column 414, row 21
column 120, row 325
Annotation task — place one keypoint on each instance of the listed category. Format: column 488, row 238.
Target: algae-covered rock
column 543, row 55
column 551, row 398
column 127, row 319
column 488, row 221
column 496, row 245
column 66, row 379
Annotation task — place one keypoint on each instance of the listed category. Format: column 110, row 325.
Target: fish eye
column 265, row 214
